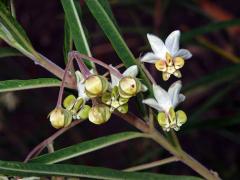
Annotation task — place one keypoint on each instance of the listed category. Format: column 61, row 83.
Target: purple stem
column 79, row 56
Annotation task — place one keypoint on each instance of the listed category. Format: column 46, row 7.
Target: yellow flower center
column 170, row 66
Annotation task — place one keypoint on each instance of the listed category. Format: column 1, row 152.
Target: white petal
column 157, row 46
column 172, row 42
column 131, row 71
column 181, row 98
column 184, row 53
column 150, row 57
column 81, row 91
column 152, row 103
column 162, row 97
column 174, row 91
column 114, row 79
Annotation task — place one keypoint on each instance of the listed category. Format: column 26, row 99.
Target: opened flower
column 167, row 56
column 165, row 102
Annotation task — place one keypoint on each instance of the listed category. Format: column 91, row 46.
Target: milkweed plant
column 99, row 97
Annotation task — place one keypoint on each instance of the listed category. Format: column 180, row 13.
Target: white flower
column 167, row 56
column 132, row 71
column 81, row 86
column 165, row 102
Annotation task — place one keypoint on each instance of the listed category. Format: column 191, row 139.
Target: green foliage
column 110, row 30
column 12, row 32
column 8, row 52
column 76, row 28
column 16, row 85
column 86, row 147
column 34, row 169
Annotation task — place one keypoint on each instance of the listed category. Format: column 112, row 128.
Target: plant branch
column 152, row 164
column 53, row 68
column 37, row 149
column 178, row 153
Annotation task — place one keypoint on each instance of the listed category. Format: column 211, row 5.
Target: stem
column 148, row 74
column 184, row 157
column 175, row 140
column 152, row 164
column 60, row 95
column 160, row 139
column 37, row 149
column 82, row 56
column 54, row 69
column 50, row 147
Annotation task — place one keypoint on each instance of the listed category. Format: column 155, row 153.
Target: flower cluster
column 168, row 59
column 108, row 97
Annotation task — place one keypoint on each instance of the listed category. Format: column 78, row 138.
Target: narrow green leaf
column 115, row 38
column 106, row 6
column 7, row 52
column 16, row 85
column 209, row 28
column 14, row 28
column 76, row 28
column 35, row 169
column 86, row 147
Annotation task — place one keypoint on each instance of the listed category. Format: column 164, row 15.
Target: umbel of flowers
column 108, row 97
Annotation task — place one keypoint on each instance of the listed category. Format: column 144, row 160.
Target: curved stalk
column 152, row 164
column 37, row 149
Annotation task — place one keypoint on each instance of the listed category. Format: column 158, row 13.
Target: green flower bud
column 129, row 86
column 123, row 109
column 99, row 114
column 69, row 102
column 60, row 118
column 78, row 104
column 96, row 85
column 107, row 98
column 83, row 113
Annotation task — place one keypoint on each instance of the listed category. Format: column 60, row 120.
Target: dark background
column 23, row 114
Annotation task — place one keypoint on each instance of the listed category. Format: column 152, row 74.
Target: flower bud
column 84, row 112
column 106, row 98
column 123, row 109
column 78, row 105
column 69, row 102
column 60, row 118
column 96, row 85
column 99, row 114
column 129, row 86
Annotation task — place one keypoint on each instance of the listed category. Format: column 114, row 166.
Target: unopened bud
column 129, row 86
column 96, row 85
column 84, row 112
column 99, row 114
column 60, row 118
